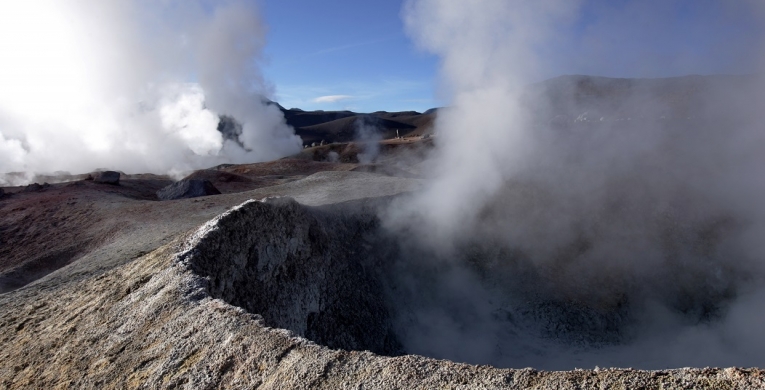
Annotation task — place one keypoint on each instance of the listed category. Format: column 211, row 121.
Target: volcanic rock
column 187, row 188
column 34, row 187
column 107, row 177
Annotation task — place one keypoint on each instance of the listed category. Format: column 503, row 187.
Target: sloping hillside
column 344, row 126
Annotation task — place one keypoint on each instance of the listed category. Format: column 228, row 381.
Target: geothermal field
column 320, row 270
column 168, row 223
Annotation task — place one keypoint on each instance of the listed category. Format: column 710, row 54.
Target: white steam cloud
column 133, row 85
column 582, row 221
column 332, row 98
column 368, row 137
column 487, row 56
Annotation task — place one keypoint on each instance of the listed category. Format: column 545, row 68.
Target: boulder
column 2, row 192
column 35, row 187
column 187, row 188
column 107, row 177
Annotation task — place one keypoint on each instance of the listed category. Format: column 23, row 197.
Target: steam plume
column 133, row 85
column 582, row 221
column 368, row 136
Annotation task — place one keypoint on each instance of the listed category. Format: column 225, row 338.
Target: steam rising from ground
column 565, row 229
column 133, row 85
column 368, row 136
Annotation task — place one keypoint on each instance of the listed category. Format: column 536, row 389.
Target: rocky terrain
column 279, row 281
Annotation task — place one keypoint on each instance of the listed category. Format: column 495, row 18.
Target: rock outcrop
column 315, row 273
column 187, row 188
column 107, row 177
column 34, row 187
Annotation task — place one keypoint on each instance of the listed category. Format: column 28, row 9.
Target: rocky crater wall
column 336, row 276
column 315, row 272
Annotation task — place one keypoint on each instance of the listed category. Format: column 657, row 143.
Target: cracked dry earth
column 216, row 292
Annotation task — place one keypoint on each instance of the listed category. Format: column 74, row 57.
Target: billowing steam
column 133, row 85
column 580, row 221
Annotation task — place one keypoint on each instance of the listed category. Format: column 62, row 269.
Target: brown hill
column 347, row 129
column 343, row 126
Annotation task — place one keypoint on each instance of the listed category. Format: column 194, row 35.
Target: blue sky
column 355, row 55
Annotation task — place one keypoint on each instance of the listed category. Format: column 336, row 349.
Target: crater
column 336, row 276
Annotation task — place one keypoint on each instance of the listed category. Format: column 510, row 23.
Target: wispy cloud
column 331, row 98
column 352, row 45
